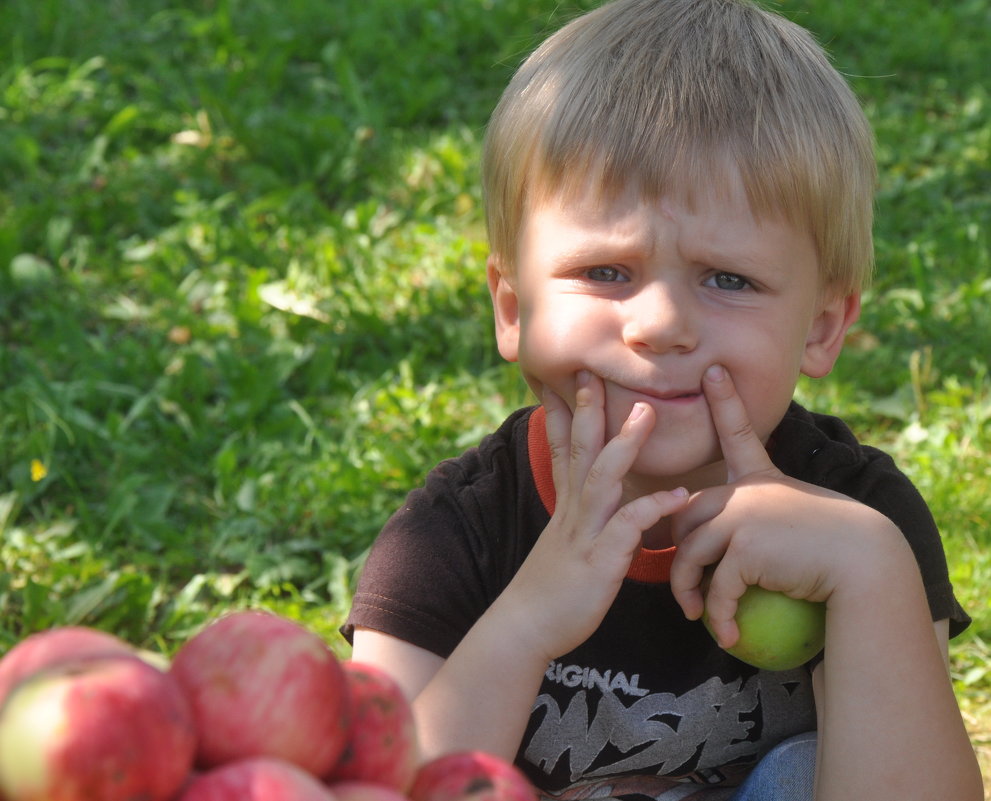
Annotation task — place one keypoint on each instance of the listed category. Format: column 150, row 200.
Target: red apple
column 262, row 685
column 365, row 791
column 256, row 779
column 471, row 776
column 53, row 646
column 382, row 746
column 111, row 728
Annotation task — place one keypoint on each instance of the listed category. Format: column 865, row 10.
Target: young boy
column 679, row 200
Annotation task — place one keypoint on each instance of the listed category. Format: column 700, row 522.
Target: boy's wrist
column 509, row 626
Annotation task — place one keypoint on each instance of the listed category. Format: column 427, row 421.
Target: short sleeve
column 446, row 554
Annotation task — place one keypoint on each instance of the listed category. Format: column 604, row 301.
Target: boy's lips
column 676, row 394
column 658, row 392
column 668, row 395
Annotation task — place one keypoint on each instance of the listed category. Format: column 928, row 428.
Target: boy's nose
column 660, row 319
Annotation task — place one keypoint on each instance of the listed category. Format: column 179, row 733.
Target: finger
column 743, row 451
column 558, row 428
column 602, row 484
column 705, row 579
column 588, row 426
column 624, row 531
column 722, row 595
column 701, row 508
column 697, row 553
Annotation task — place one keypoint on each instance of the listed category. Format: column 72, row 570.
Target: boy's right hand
column 574, row 571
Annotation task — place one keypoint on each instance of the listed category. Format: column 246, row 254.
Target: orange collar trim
column 651, row 567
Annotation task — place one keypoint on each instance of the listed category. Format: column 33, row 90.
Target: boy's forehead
column 598, row 201
column 715, row 223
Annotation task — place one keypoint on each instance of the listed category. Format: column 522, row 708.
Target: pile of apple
column 254, row 707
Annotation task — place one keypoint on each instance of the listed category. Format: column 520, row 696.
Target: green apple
column 777, row 632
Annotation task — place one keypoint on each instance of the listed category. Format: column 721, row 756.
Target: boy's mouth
column 657, row 393
column 671, row 394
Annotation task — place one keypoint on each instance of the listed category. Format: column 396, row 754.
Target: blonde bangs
column 664, row 95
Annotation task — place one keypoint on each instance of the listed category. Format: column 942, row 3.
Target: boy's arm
column 481, row 696
column 478, row 698
column 889, row 725
column 942, row 631
column 418, row 664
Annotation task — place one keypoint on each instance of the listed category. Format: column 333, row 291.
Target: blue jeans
column 786, row 773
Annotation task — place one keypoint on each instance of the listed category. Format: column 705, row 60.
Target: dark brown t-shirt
column 649, row 699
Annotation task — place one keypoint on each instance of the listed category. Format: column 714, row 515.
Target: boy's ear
column 828, row 332
column 506, row 308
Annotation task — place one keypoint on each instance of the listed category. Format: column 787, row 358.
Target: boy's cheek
column 765, row 410
column 542, row 367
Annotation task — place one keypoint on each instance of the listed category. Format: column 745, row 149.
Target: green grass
column 242, row 300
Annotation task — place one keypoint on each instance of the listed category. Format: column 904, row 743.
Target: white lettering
column 599, row 680
column 592, row 679
column 573, row 675
column 712, row 725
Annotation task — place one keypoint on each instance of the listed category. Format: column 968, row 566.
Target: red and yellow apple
column 53, row 646
column 256, row 779
column 262, row 685
column 471, row 776
column 112, row 728
column 382, row 745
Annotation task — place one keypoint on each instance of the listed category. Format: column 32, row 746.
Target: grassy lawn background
column 242, row 304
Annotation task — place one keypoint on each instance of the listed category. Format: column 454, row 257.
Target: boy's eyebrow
column 638, row 242
column 612, row 248
column 724, row 260
column 605, row 247
column 615, row 241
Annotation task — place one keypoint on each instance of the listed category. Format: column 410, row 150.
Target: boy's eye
column 727, row 281
column 604, row 274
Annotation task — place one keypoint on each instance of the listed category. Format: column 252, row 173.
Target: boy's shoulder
column 821, row 449
column 812, row 445
column 491, row 485
column 501, row 453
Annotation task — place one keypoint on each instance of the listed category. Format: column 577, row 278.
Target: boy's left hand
column 763, row 527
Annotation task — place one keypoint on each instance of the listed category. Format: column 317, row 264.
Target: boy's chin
column 693, row 468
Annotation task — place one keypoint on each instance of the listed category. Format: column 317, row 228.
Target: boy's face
column 647, row 294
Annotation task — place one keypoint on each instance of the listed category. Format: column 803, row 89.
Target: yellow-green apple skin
column 777, row 632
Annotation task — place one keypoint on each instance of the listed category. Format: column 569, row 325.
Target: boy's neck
column 658, row 537
column 710, row 475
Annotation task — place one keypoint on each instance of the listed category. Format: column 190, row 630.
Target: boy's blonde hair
column 663, row 95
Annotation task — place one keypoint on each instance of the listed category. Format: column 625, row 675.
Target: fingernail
column 680, row 492
column 637, row 410
column 715, row 372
